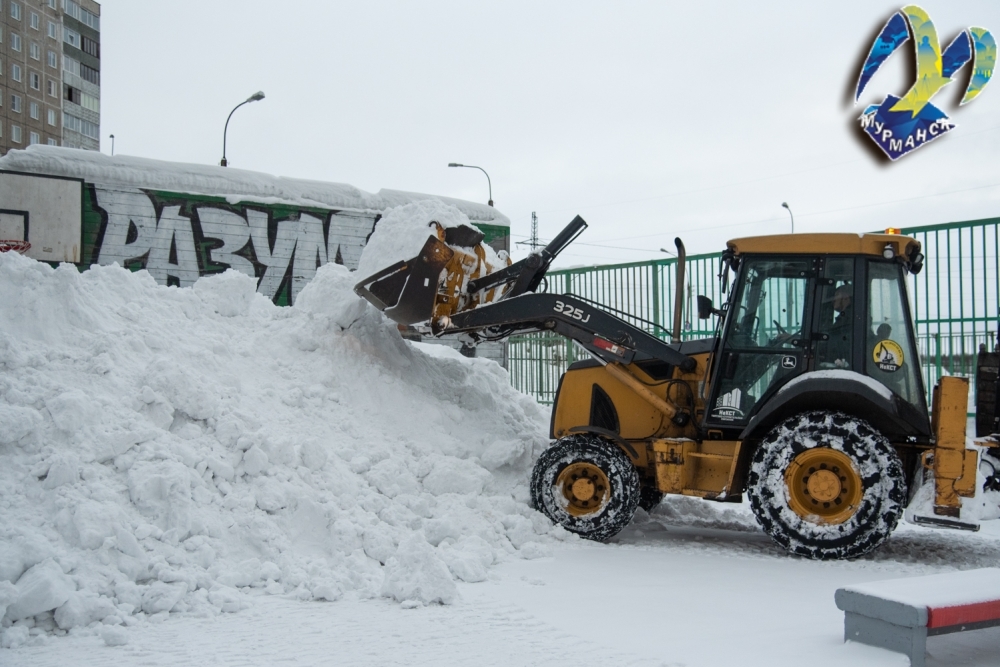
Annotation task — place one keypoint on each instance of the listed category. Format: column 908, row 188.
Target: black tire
column 879, row 486
column 649, row 495
column 989, row 464
column 611, row 512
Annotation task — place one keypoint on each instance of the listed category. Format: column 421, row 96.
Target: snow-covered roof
column 235, row 184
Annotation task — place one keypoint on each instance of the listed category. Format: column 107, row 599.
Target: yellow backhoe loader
column 809, row 399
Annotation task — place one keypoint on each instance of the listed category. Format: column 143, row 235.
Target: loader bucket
column 406, row 291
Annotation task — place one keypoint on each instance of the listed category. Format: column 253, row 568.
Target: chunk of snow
column 113, row 635
column 451, row 475
column 416, row 572
column 42, row 588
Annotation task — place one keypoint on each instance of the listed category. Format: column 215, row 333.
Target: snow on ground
column 168, row 456
column 699, row 595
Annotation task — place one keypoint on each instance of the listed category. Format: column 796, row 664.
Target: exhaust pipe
column 679, row 289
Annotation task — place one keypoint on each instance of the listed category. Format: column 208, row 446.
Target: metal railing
column 954, row 301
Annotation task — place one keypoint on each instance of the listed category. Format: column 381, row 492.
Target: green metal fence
column 641, row 293
column 954, row 299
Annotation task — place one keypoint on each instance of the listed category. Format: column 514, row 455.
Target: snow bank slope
column 161, row 448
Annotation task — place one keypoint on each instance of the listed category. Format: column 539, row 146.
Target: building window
column 35, row 81
column 33, row 138
column 51, row 88
column 90, row 102
column 53, row 59
column 53, row 30
column 70, row 65
column 15, row 11
column 52, row 116
column 71, row 37
column 90, row 74
column 15, row 72
column 15, row 103
column 82, row 15
column 52, row 4
column 71, row 94
column 33, row 110
column 15, row 41
column 35, row 51
column 84, row 127
column 15, row 134
column 91, row 47
column 53, row 142
column 35, row 22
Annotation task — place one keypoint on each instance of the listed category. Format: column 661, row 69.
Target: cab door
column 767, row 338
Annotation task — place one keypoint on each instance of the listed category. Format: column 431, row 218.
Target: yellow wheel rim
column 585, row 488
column 823, row 486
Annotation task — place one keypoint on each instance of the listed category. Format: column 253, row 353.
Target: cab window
column 890, row 354
column 836, row 316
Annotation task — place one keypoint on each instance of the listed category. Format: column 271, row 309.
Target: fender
column 609, row 435
column 850, row 392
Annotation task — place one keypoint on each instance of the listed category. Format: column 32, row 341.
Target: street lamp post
column 784, row 204
column 472, row 166
column 256, row 97
column 112, row 145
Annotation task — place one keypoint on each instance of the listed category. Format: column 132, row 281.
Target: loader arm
column 600, row 333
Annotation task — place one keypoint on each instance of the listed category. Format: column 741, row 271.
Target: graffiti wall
column 178, row 237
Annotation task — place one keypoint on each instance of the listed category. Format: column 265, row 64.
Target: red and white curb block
column 900, row 614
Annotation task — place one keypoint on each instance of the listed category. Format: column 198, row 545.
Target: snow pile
column 169, row 450
column 402, row 232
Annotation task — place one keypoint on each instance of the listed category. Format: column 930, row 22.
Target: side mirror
column 705, row 308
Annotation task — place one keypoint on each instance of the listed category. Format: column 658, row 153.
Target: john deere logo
column 902, row 124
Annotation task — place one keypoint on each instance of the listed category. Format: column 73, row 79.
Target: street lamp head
column 455, row 164
column 668, row 252
column 784, row 204
column 256, row 97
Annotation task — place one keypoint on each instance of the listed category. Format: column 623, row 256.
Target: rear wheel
column 587, row 485
column 826, row 485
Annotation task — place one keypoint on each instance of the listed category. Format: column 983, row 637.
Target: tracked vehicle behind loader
column 808, row 399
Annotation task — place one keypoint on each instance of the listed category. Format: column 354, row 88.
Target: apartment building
column 50, row 73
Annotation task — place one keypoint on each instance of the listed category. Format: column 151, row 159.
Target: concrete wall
column 179, row 237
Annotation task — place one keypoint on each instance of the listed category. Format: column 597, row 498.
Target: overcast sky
column 649, row 119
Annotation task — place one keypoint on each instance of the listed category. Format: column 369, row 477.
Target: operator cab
column 838, row 305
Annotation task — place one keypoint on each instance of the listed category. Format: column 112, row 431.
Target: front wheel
column 587, row 485
column 826, row 485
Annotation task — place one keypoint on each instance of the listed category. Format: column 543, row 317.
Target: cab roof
column 825, row 244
